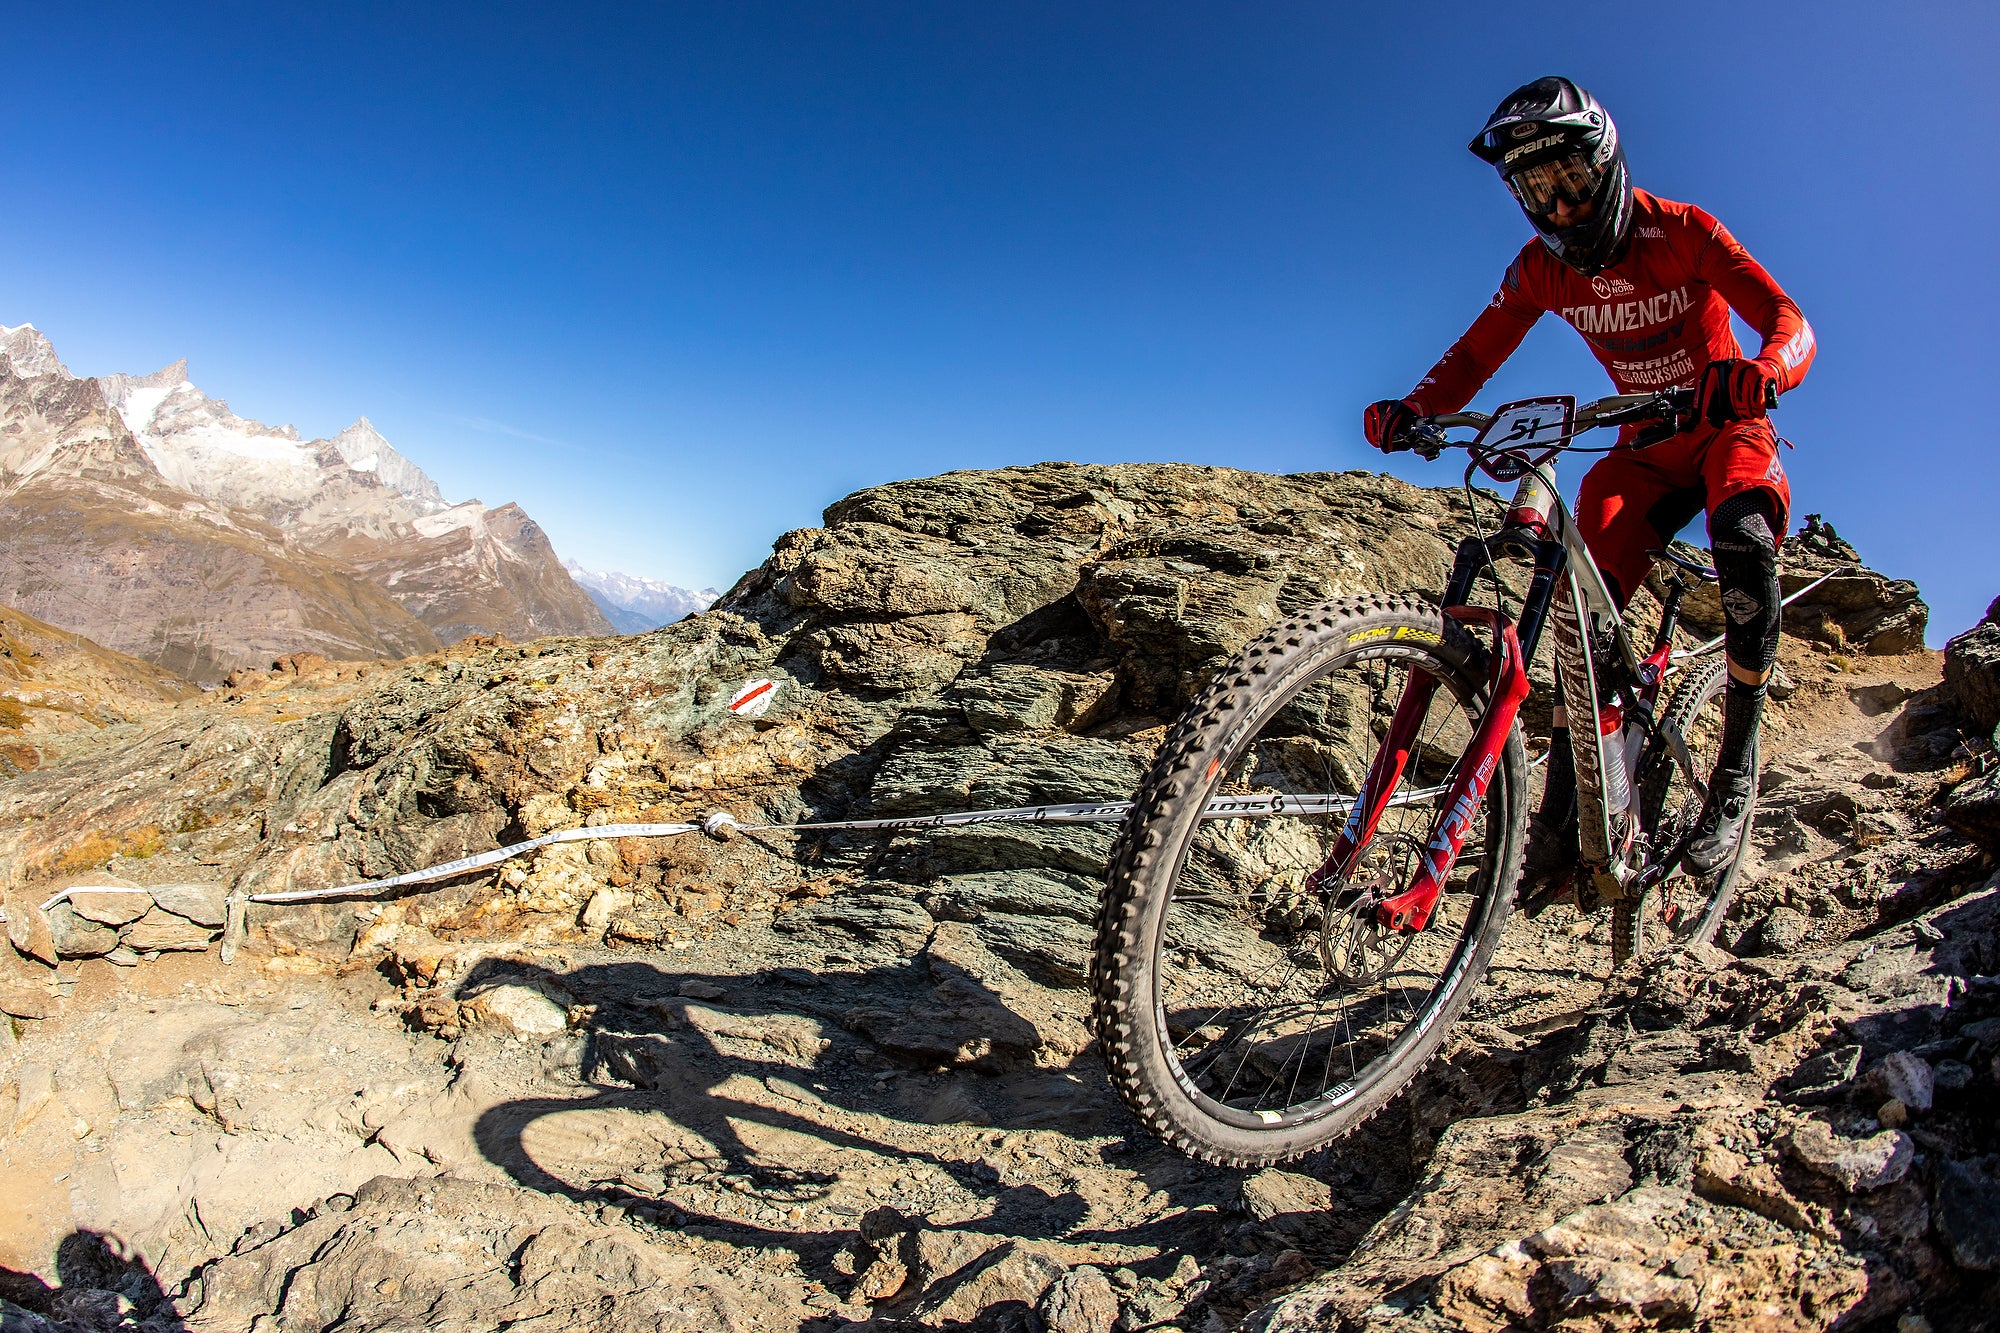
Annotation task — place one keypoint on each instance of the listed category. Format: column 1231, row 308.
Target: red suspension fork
column 1383, row 775
column 1411, row 909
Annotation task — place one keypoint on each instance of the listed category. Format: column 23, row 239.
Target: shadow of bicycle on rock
column 779, row 1109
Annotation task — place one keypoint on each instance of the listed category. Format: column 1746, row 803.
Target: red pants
column 1635, row 500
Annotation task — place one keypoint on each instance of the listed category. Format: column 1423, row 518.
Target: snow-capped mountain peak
column 260, row 542
column 199, row 445
column 361, row 445
column 467, row 514
column 139, row 398
column 636, row 605
column 363, row 449
column 31, row 353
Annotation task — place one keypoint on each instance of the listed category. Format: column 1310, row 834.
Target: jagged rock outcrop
column 1714, row 1146
column 1972, row 683
column 149, row 517
column 493, row 1257
column 1854, row 611
column 852, row 1074
column 1972, row 671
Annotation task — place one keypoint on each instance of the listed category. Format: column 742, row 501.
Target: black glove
column 1387, row 424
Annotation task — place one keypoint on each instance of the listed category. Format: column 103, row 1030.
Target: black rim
column 1681, row 904
column 1275, row 1008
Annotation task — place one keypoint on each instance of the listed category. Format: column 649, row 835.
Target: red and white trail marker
column 754, row 699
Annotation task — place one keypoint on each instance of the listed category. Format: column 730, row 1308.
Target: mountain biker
column 1649, row 284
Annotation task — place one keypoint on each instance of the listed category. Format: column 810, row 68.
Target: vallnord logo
column 1606, row 286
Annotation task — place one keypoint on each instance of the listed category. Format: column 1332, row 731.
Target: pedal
column 1597, row 886
column 1608, row 887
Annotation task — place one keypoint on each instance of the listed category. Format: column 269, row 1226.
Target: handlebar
column 1614, row 410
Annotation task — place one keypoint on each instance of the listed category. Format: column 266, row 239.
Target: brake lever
column 1427, row 440
column 1657, row 433
column 1669, row 413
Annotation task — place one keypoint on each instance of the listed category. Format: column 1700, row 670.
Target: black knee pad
column 1741, row 532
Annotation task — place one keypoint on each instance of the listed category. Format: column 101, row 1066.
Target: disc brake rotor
column 1353, row 945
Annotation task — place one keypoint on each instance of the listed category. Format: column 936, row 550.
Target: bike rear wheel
column 1244, row 1018
column 1682, row 909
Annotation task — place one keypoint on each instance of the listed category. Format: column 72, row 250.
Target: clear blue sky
column 676, row 277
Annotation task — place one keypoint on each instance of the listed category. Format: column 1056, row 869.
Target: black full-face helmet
column 1550, row 140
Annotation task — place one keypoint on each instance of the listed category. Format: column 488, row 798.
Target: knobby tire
column 1215, row 737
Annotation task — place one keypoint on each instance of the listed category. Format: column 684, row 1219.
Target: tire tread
column 1140, row 856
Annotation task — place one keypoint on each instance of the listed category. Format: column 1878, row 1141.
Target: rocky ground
column 59, row 690
column 774, row 1081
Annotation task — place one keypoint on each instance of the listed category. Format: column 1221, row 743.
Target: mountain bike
column 1317, row 867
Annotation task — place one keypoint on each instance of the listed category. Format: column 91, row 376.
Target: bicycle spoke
column 1678, row 908
column 1271, row 1033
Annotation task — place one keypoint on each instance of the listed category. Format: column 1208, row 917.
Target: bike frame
column 1565, row 590
column 1578, row 607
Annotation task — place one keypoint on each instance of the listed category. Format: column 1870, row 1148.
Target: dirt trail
column 768, row 1083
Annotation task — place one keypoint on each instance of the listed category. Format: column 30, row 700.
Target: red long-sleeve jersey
column 1653, row 320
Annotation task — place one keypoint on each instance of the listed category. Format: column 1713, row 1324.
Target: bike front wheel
column 1246, row 1016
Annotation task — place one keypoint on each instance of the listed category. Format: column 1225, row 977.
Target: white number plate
column 1530, row 425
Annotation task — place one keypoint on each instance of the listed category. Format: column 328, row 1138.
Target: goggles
column 1571, row 179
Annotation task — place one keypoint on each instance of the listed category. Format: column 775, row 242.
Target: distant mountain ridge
column 147, row 515
column 201, row 446
column 636, row 605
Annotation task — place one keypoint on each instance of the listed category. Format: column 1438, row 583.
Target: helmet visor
column 1570, row 178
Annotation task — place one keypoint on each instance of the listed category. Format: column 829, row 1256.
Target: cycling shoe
column 1725, row 816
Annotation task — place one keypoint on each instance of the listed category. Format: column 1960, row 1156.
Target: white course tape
column 1080, row 812
column 86, row 888
column 481, row 861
